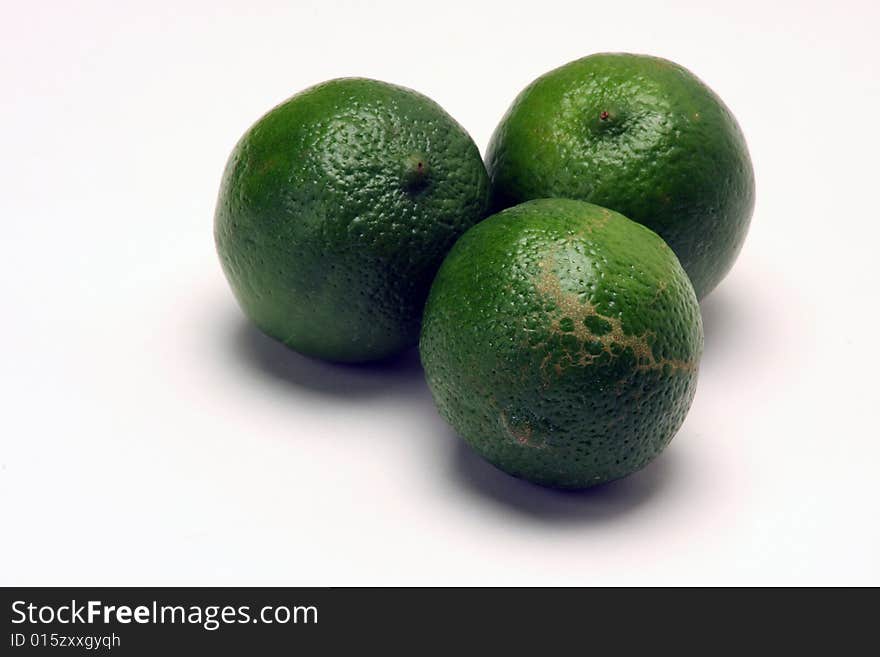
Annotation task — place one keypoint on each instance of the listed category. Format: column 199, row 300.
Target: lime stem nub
column 415, row 172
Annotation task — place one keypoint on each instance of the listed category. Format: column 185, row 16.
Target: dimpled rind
column 642, row 136
column 562, row 340
column 336, row 209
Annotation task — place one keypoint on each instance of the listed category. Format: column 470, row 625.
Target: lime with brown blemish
column 335, row 211
column 640, row 135
column 561, row 340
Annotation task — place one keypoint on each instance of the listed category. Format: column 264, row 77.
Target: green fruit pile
column 561, row 336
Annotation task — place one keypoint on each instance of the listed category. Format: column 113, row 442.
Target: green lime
column 561, row 340
column 642, row 136
column 335, row 211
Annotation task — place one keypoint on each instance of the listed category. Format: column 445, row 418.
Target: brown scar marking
column 598, row 224
column 521, row 436
column 569, row 305
column 661, row 288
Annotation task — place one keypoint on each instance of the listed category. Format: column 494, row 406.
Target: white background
column 151, row 436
